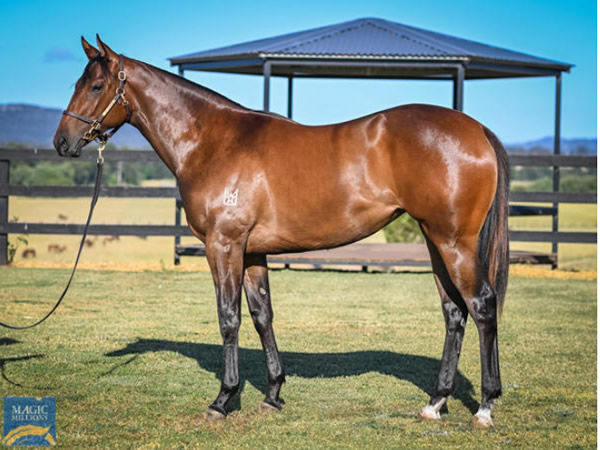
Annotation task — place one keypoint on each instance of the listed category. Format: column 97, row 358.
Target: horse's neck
column 171, row 113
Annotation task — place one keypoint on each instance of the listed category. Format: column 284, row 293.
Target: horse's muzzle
column 62, row 146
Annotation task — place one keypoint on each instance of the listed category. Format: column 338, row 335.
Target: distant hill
column 575, row 146
column 35, row 126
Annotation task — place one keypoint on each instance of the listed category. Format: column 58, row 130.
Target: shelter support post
column 556, row 169
column 289, row 100
column 178, row 205
column 458, row 85
column 4, row 165
column 267, row 81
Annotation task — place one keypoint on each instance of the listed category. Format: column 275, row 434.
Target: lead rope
column 98, row 182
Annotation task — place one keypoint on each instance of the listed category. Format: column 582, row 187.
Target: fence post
column 178, row 204
column 4, row 165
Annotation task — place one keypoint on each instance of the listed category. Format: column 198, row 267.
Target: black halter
column 94, row 132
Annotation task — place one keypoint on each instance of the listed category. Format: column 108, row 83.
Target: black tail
column 493, row 239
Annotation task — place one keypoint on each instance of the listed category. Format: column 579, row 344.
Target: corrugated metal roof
column 369, row 38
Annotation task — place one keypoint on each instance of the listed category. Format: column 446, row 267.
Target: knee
column 230, row 325
column 262, row 320
column 260, row 310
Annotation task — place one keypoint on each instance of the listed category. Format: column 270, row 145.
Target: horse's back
column 391, row 156
column 330, row 185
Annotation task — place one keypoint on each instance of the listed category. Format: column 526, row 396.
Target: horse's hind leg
column 256, row 285
column 467, row 275
column 455, row 316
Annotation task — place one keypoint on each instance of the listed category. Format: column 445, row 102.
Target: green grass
column 134, row 359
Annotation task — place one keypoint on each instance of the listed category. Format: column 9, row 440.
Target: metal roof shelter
column 377, row 48
column 370, row 48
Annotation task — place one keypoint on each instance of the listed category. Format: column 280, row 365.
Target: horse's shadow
column 5, row 361
column 418, row 370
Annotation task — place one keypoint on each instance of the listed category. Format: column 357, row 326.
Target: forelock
column 87, row 72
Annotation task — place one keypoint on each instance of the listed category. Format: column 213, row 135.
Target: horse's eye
column 97, row 87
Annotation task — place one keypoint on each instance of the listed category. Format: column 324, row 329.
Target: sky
column 42, row 57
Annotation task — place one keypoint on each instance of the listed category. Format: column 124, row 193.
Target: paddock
column 133, row 358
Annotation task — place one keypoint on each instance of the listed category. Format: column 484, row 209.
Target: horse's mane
column 207, row 92
column 193, row 86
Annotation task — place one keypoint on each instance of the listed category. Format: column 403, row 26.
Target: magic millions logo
column 29, row 421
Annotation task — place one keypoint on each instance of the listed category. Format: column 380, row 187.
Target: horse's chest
column 226, row 211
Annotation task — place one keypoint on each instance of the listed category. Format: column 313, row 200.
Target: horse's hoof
column 482, row 422
column 265, row 407
column 212, row 414
column 429, row 413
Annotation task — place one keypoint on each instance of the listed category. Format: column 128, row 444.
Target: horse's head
column 98, row 103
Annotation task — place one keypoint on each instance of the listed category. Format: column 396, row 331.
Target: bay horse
column 255, row 183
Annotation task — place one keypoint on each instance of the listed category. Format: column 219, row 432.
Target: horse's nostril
column 61, row 145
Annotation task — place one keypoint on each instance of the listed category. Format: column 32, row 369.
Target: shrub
column 403, row 229
column 582, row 183
column 568, row 183
column 13, row 247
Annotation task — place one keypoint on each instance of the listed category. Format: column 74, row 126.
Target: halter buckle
column 122, row 76
column 89, row 135
column 94, row 127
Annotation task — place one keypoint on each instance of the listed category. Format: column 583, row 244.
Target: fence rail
column 86, row 191
column 177, row 230
column 553, row 197
column 110, row 230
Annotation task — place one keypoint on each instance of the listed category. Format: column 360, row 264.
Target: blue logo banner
column 29, row 421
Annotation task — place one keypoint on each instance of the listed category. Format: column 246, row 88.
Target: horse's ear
column 89, row 49
column 105, row 50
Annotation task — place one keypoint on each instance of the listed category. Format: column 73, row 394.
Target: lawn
column 134, row 358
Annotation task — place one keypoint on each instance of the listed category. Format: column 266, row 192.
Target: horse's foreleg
column 256, row 285
column 455, row 315
column 226, row 263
